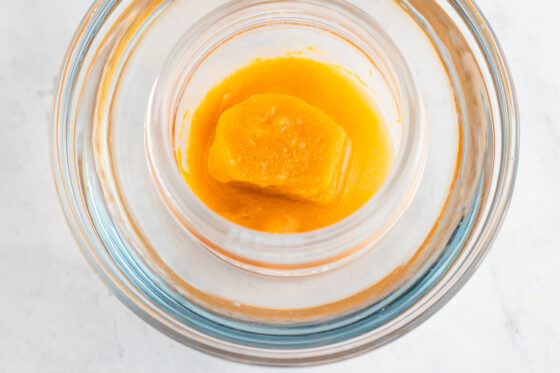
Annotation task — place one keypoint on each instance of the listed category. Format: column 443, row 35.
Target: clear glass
column 446, row 70
column 229, row 38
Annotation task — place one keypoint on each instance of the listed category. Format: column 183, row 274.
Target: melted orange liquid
column 329, row 89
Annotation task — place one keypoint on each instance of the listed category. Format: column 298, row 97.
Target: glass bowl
column 136, row 69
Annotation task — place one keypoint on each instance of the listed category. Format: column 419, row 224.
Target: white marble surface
column 56, row 316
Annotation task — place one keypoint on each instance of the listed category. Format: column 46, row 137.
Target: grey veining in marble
column 56, row 316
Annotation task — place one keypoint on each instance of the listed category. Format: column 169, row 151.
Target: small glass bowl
column 434, row 69
column 229, row 38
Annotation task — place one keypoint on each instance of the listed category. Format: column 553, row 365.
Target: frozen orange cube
column 281, row 145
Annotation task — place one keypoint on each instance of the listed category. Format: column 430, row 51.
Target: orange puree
column 287, row 145
column 280, row 144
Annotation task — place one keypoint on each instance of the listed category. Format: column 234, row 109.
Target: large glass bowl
column 133, row 72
